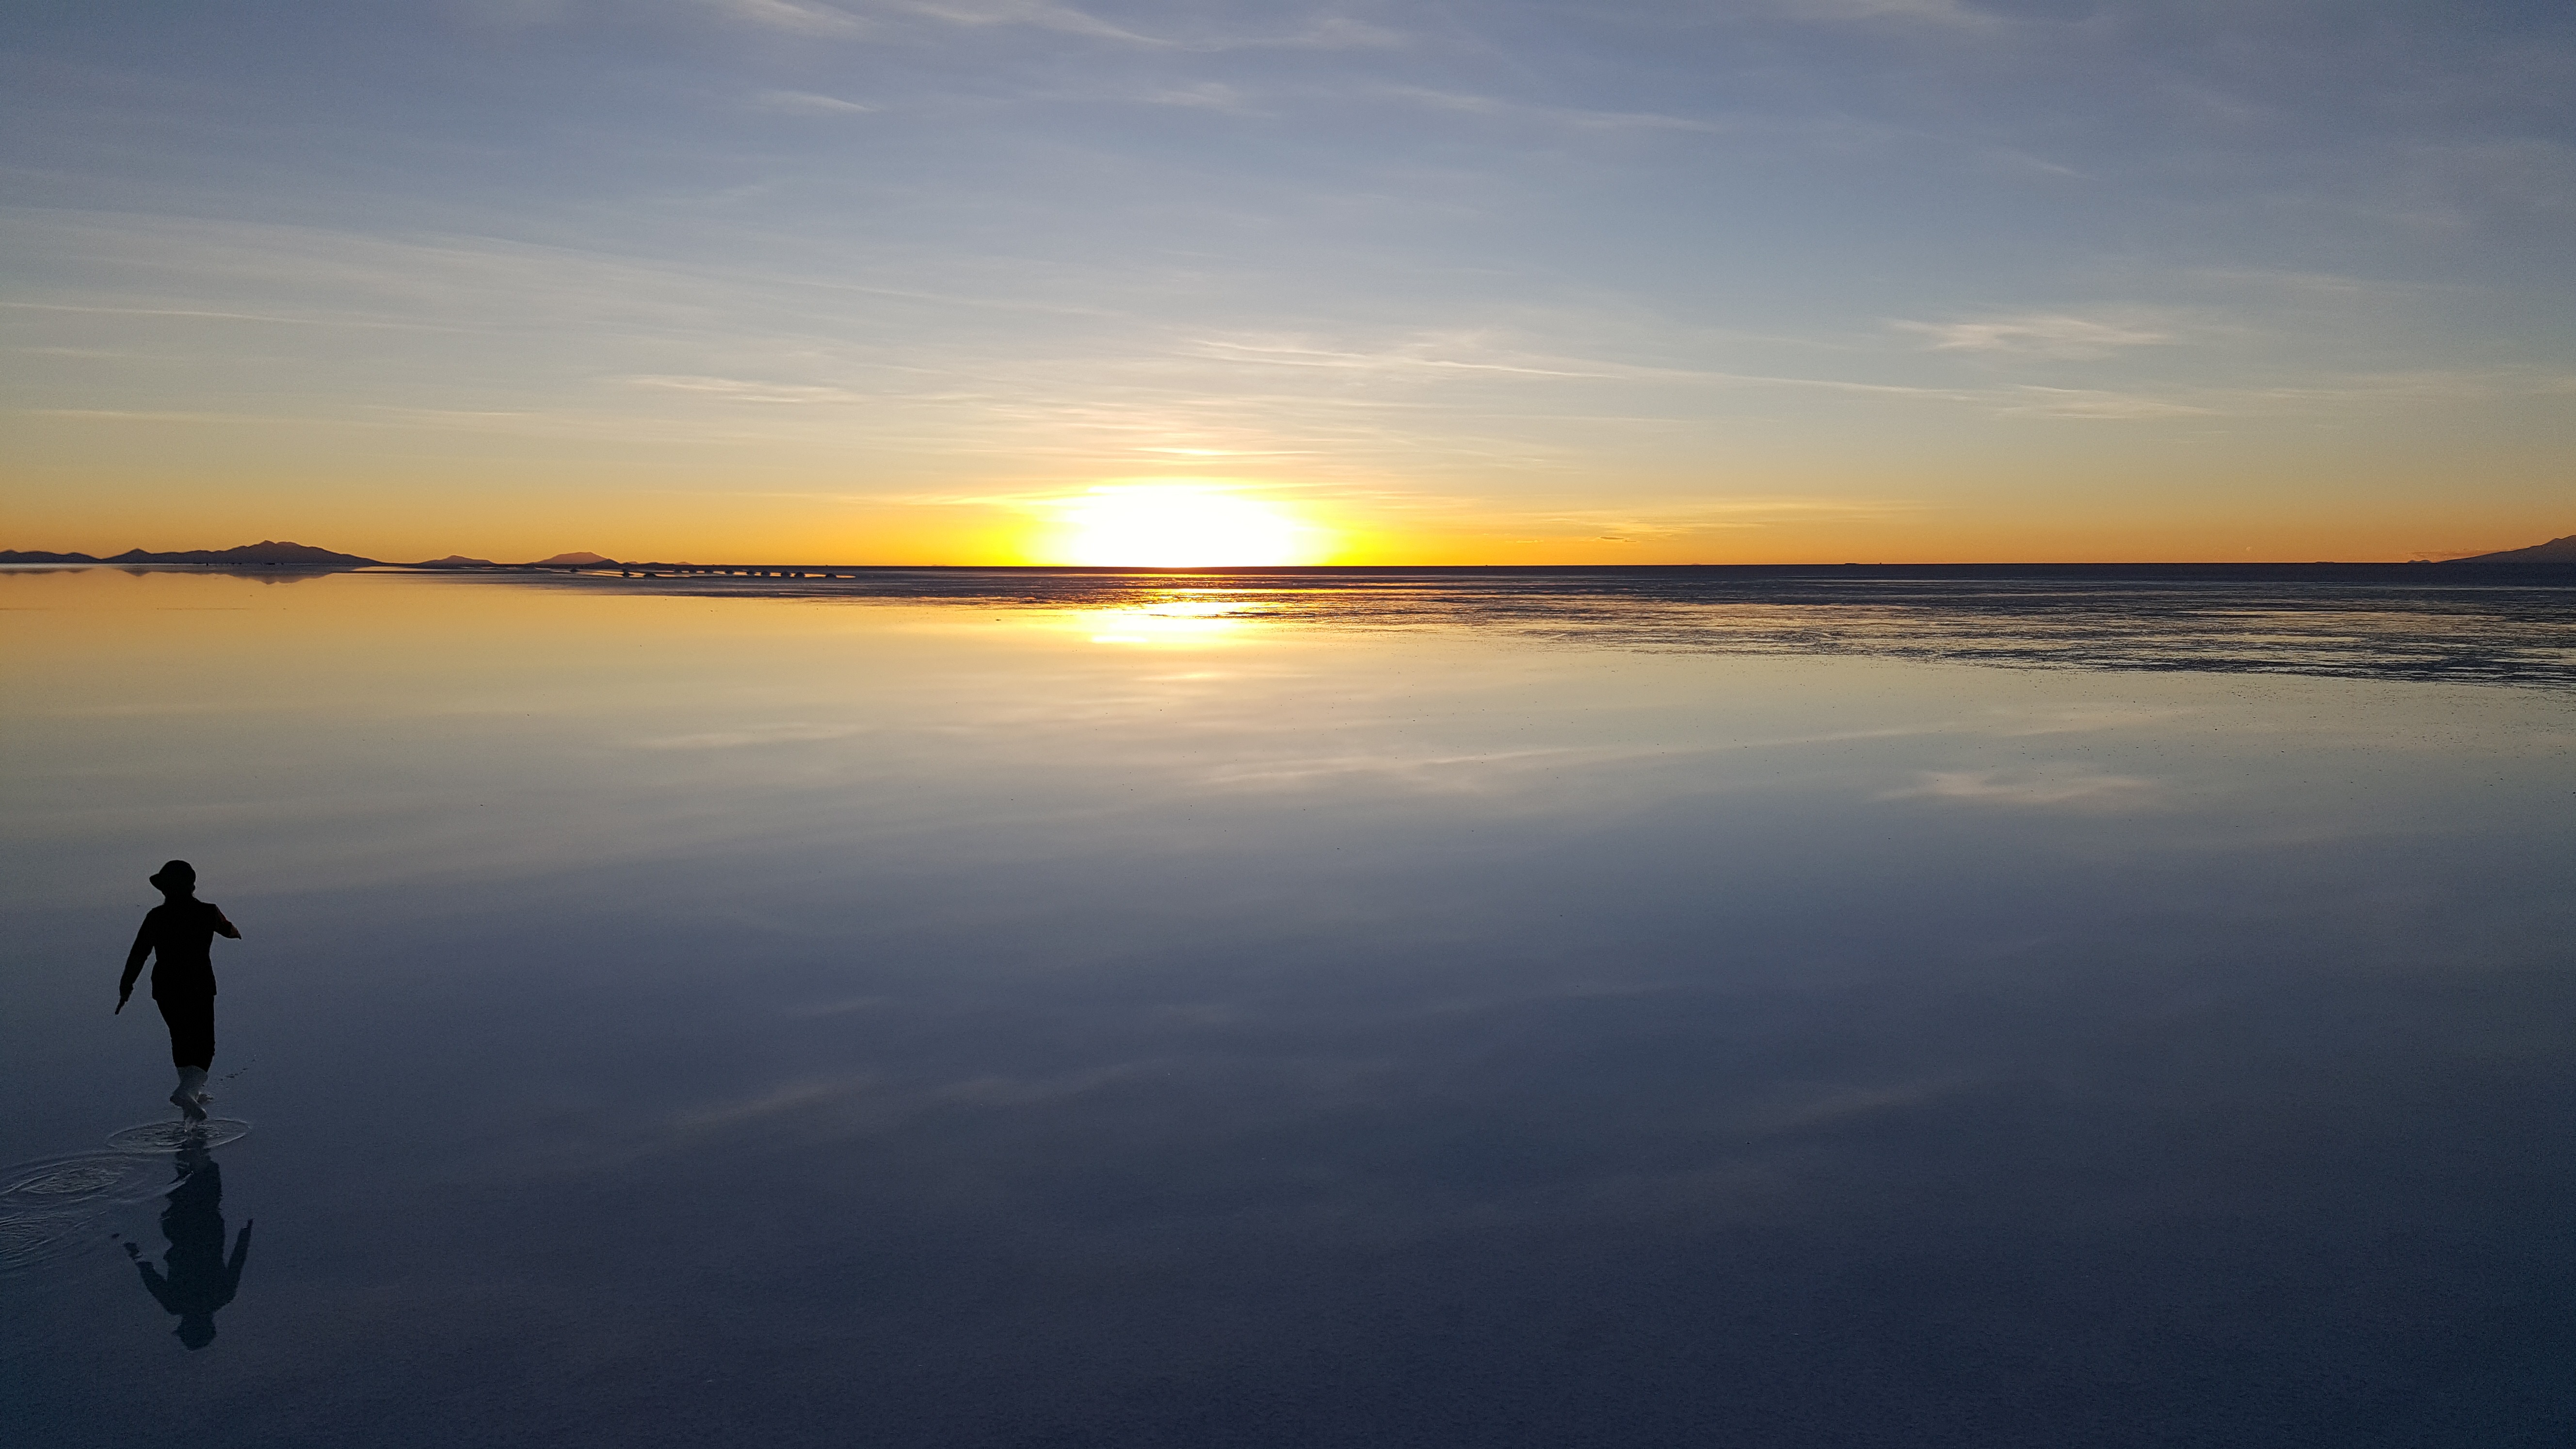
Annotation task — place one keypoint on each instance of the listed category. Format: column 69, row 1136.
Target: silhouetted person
column 199, row 1281
column 177, row 933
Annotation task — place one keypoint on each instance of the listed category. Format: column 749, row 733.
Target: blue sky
column 1796, row 278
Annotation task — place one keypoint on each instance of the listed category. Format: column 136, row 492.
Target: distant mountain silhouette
column 266, row 553
column 2557, row 550
column 559, row 561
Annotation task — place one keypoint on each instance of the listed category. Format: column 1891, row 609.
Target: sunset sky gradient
column 1737, row 281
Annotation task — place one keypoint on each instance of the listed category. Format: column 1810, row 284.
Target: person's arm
column 134, row 964
column 162, row 1288
column 222, row 926
column 232, row 1270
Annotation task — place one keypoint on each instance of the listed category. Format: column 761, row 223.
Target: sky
column 978, row 281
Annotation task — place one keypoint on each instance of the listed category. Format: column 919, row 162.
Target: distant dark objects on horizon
column 271, row 554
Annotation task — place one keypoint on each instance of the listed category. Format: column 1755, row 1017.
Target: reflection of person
column 199, row 1281
column 178, row 932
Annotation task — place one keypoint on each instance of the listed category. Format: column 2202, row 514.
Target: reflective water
column 1067, row 1010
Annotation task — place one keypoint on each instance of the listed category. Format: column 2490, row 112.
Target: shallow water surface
column 1079, row 1010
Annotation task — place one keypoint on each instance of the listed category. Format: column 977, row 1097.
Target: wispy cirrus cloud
column 1202, row 95
column 2033, row 400
column 1470, row 104
column 1935, row 12
column 1422, row 353
column 1464, row 355
column 809, row 103
column 791, row 733
column 2039, row 334
column 1038, row 14
column 1677, row 518
column 737, row 389
column 850, row 20
column 1321, row 32
column 193, row 314
column 1330, row 32
column 797, row 17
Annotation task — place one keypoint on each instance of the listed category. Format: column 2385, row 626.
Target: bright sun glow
column 1182, row 526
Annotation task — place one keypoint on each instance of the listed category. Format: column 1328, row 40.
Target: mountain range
column 265, row 553
column 269, row 553
column 577, row 560
column 2557, row 550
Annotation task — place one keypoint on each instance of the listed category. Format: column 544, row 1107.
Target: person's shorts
column 192, row 1029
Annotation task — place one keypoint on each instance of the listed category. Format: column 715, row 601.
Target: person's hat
column 176, row 875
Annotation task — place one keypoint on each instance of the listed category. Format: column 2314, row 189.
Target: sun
column 1180, row 525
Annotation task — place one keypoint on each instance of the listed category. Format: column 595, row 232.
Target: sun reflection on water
column 1175, row 621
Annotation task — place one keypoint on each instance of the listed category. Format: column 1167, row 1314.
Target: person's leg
column 192, row 1049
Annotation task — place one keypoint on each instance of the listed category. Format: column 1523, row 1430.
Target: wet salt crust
column 2495, row 624
column 1199, row 1013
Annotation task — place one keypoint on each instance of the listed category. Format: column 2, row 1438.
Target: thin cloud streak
column 808, row 103
column 2056, row 335
column 796, row 17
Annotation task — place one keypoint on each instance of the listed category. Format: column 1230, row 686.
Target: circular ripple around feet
column 173, row 1135
column 30, row 1238
column 77, row 1182
column 58, row 1207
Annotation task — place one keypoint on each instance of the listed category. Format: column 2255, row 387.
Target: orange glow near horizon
column 1101, row 518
